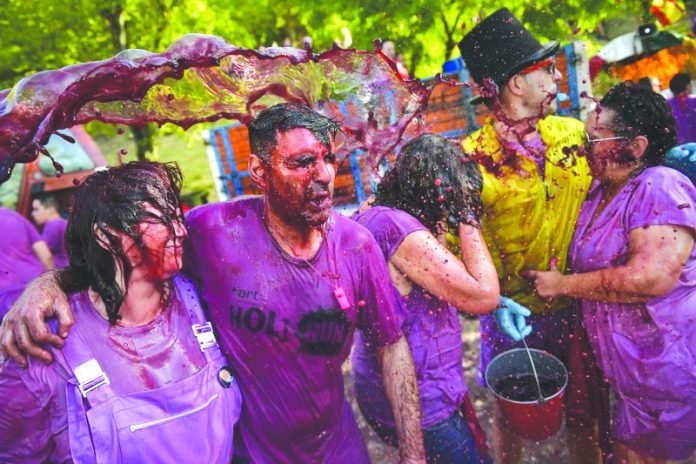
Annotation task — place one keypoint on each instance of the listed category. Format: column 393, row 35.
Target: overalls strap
column 202, row 329
column 88, row 376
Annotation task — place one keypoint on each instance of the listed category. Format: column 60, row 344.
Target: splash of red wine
column 203, row 78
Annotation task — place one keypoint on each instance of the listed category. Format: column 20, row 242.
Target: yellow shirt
column 526, row 221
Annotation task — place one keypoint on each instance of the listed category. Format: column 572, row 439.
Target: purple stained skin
column 202, row 78
column 645, row 350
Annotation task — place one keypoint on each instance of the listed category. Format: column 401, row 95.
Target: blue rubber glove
column 683, row 159
column 510, row 317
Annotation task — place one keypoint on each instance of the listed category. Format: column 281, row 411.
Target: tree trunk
column 143, row 135
column 415, row 59
column 449, row 48
column 144, row 140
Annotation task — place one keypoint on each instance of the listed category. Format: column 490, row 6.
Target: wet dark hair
column 48, row 201
column 114, row 200
column 679, row 83
column 282, row 118
column 645, row 83
column 430, row 167
column 643, row 112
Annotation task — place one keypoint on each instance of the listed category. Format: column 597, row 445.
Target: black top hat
column 499, row 47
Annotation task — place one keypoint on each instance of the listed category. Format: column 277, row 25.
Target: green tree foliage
column 38, row 35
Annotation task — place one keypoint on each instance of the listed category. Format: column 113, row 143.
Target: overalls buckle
column 90, row 376
column 205, row 335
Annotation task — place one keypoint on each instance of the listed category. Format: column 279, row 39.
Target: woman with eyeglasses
column 634, row 271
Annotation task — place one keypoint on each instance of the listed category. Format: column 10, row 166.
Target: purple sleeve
column 390, row 227
column 53, row 235
column 377, row 316
column 194, row 225
column 25, row 421
column 664, row 196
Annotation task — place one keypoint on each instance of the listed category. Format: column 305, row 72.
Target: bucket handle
column 542, row 400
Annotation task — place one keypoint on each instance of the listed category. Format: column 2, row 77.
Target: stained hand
column 510, row 317
column 547, row 283
column 24, row 329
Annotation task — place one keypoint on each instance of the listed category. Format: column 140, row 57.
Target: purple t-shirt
column 646, row 350
column 431, row 327
column 54, row 236
column 684, row 110
column 33, row 425
column 282, row 330
column 18, row 264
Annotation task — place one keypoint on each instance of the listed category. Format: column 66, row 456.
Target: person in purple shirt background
column 683, row 107
column 24, row 256
column 45, row 210
column 132, row 373
column 634, row 271
column 432, row 182
column 286, row 281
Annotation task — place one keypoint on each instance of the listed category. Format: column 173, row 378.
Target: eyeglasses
column 589, row 140
column 549, row 65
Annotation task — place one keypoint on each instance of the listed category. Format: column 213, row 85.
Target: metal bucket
column 511, row 379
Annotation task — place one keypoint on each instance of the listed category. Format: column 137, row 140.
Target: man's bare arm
column 24, row 328
column 43, row 253
column 401, row 385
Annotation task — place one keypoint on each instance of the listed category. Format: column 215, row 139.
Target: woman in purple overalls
column 140, row 378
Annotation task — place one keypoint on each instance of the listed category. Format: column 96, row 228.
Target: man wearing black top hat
column 534, row 185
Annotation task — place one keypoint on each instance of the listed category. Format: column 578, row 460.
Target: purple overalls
column 191, row 420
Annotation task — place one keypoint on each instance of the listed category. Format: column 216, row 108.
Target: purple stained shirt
column 684, row 110
column 33, row 425
column 18, row 264
column 282, row 330
column 431, row 327
column 646, row 350
column 54, row 236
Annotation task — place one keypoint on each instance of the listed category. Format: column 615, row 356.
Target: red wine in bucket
column 510, row 377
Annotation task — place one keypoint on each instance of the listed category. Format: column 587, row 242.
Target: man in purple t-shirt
column 46, row 213
column 287, row 281
column 683, row 107
column 24, row 256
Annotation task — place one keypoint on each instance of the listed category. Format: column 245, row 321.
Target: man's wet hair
column 283, row 117
column 679, row 83
column 645, row 83
column 49, row 201
column 640, row 111
column 432, row 181
column 109, row 201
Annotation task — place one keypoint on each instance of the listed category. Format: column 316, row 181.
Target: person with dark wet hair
column 45, row 210
column 633, row 267
column 432, row 188
column 287, row 282
column 126, row 383
column 263, row 132
column 683, row 104
column 649, row 83
column 534, row 182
